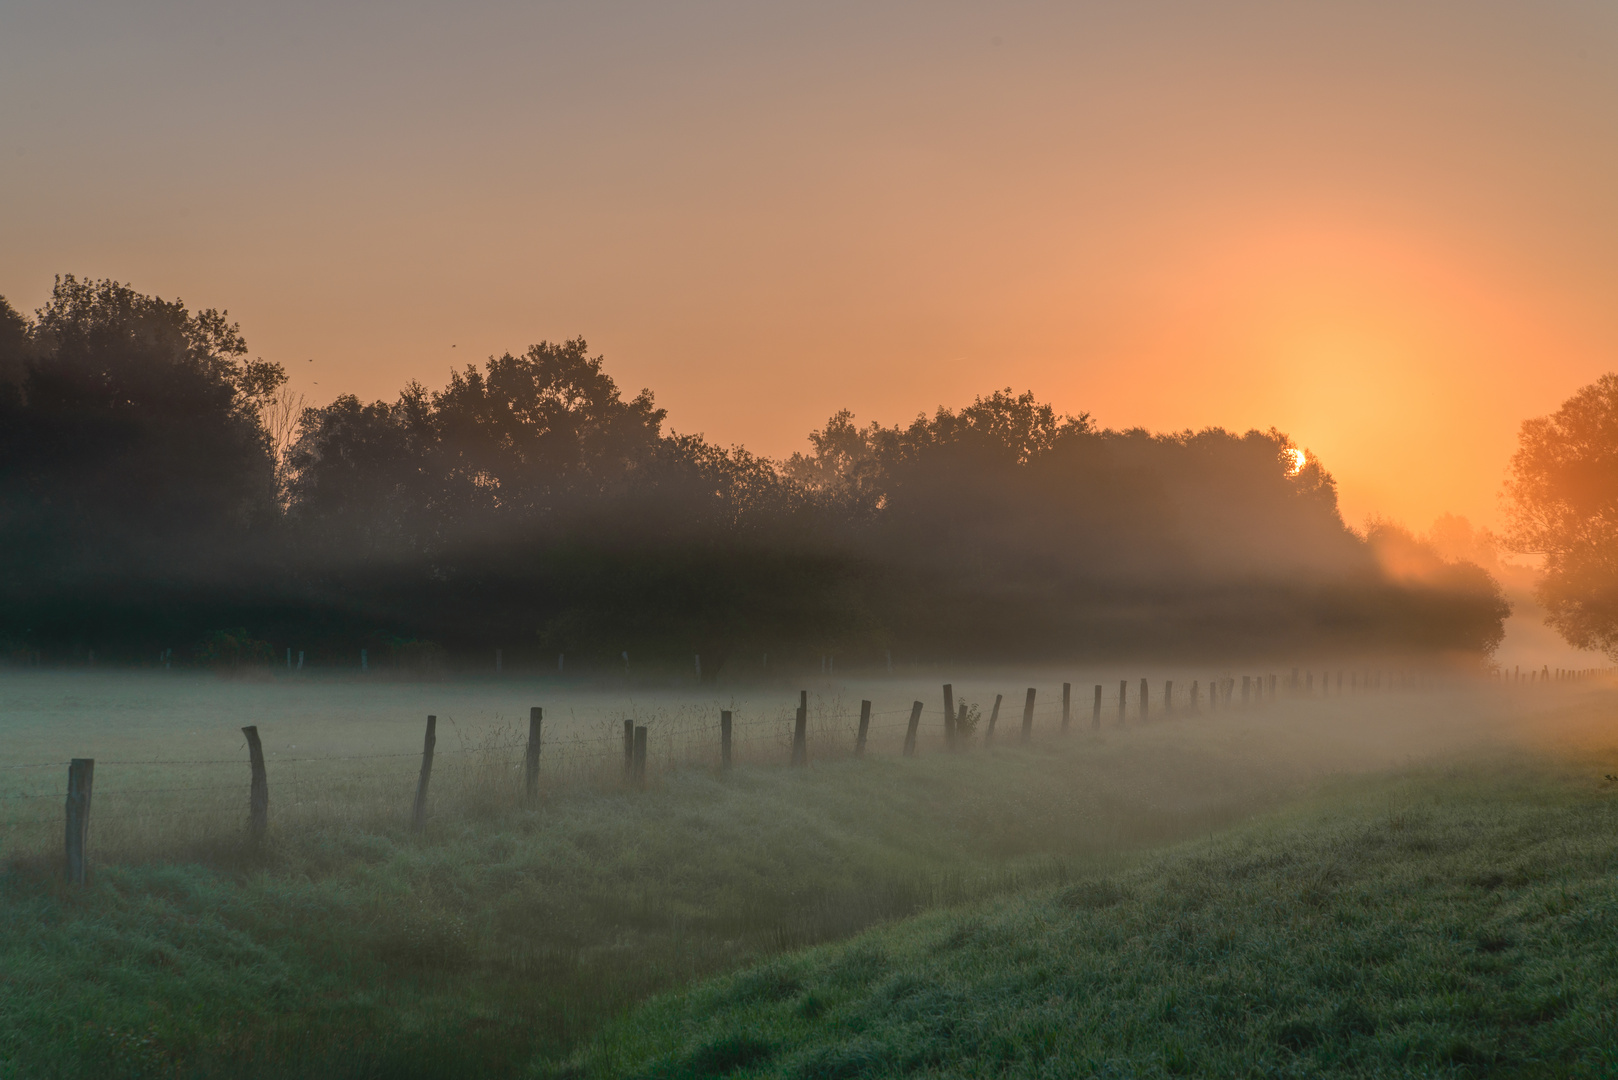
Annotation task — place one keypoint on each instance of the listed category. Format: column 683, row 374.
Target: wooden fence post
column 536, row 717
column 1123, row 699
column 960, row 726
column 629, row 749
column 1067, row 705
column 949, row 716
column 1145, row 705
column 81, row 774
column 1095, row 714
column 1168, row 697
column 640, row 756
column 865, row 727
column 910, row 732
column 724, row 739
column 418, row 814
column 1028, row 716
column 1195, row 688
column 994, row 718
column 258, row 799
column 800, row 731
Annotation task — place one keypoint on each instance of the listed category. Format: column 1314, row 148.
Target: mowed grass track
column 1463, row 924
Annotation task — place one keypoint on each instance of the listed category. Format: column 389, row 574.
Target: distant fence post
column 1195, row 687
column 536, row 717
column 724, row 739
column 258, row 799
column 1123, row 700
column 1028, row 716
column 1067, row 705
column 800, row 731
column 80, row 779
column 1168, row 696
column 949, row 716
column 1145, row 705
column 1095, row 714
column 629, row 749
column 910, row 732
column 640, row 756
column 865, row 728
column 418, row 813
column 994, row 718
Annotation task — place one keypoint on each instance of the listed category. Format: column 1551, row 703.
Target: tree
column 1563, row 497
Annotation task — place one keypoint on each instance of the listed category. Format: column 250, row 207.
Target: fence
column 516, row 766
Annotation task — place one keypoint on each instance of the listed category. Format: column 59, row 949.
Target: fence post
column 1028, row 716
column 1067, row 705
column 994, row 718
column 949, row 716
column 640, row 757
column 1123, row 700
column 1168, row 696
column 80, row 779
column 960, row 725
column 629, row 749
column 800, row 731
column 910, row 732
column 1195, row 688
column 258, row 799
column 418, row 814
column 724, row 739
column 865, row 727
column 1145, row 707
column 1095, row 714
column 536, row 717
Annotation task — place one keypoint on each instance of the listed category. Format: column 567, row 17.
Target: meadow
column 508, row 938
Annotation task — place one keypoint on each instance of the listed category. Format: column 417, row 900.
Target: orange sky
column 1388, row 229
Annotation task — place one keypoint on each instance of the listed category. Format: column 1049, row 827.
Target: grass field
column 507, row 935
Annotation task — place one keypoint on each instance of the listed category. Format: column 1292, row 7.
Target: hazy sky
column 1389, row 229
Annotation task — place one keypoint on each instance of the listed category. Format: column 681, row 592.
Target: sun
column 1296, row 460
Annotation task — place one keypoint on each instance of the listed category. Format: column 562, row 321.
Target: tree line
column 158, row 489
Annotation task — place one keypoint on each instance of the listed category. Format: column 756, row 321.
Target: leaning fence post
column 258, row 799
column 80, row 779
column 640, row 756
column 536, row 717
column 949, row 716
column 724, row 739
column 1028, row 716
column 418, row 813
column 865, row 727
column 910, row 732
column 800, row 731
column 1067, row 705
column 994, row 718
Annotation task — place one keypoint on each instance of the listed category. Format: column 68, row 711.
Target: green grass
column 1456, row 924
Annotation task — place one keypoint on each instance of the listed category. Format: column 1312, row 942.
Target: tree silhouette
column 1563, row 492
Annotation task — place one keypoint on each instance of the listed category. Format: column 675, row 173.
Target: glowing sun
column 1295, row 461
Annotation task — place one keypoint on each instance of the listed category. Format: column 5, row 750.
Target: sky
column 1389, row 229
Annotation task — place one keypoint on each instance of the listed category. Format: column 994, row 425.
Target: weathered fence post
column 1095, row 713
column 960, row 726
column 1067, row 705
column 640, row 757
column 865, row 727
column 910, row 732
column 994, row 718
column 1168, row 696
column 258, row 798
column 629, row 749
column 418, row 814
column 1028, row 716
column 800, row 731
column 530, row 778
column 81, row 774
column 949, row 716
column 724, row 739
column 1145, row 711
column 1123, row 701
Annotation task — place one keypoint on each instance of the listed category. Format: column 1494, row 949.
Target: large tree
column 1563, row 492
